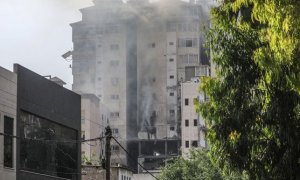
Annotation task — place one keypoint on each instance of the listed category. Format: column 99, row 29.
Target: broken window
column 42, row 156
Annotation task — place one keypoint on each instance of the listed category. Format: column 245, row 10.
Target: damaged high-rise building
column 134, row 55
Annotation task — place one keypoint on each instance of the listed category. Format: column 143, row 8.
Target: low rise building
column 40, row 128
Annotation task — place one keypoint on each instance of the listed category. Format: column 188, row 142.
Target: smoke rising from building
column 133, row 56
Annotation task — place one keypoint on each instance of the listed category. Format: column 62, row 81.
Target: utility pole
column 108, row 135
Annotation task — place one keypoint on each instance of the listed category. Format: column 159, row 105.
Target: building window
column 171, row 77
column 8, row 141
column 115, row 148
column 115, row 130
column 172, row 113
column 171, row 43
column 37, row 157
column 187, row 144
column 114, row 47
column 114, row 81
column 194, row 143
column 171, row 94
column 188, row 42
column 114, row 63
column 195, row 122
column 172, row 128
column 171, row 27
column 114, row 114
column 151, row 45
column 82, row 116
column 186, row 123
column 171, row 60
column 189, row 59
column 114, row 97
column 186, row 101
column 82, row 135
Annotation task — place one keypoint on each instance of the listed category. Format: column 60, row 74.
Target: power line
column 61, row 141
column 129, row 155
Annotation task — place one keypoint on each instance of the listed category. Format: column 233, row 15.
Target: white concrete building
column 134, row 56
column 8, row 107
column 94, row 119
column 192, row 124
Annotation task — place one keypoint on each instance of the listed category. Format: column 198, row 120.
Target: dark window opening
column 171, row 60
column 172, row 128
column 186, row 123
column 172, row 112
column 8, row 141
column 187, row 144
column 171, row 94
column 171, row 43
column 189, row 43
column 194, row 143
column 151, row 45
column 171, row 77
column 186, row 101
column 115, row 148
column 195, row 122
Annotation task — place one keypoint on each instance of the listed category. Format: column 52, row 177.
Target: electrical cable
column 61, row 141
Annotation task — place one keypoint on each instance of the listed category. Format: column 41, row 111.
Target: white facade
column 192, row 124
column 134, row 56
column 145, row 176
column 94, row 119
column 8, row 101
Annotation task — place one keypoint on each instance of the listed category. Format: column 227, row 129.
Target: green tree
column 198, row 166
column 253, row 115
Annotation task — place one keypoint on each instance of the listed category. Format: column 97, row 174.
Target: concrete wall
column 92, row 173
column 191, row 132
column 94, row 118
column 8, row 103
column 144, row 176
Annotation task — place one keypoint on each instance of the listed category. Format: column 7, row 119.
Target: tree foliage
column 199, row 167
column 253, row 114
